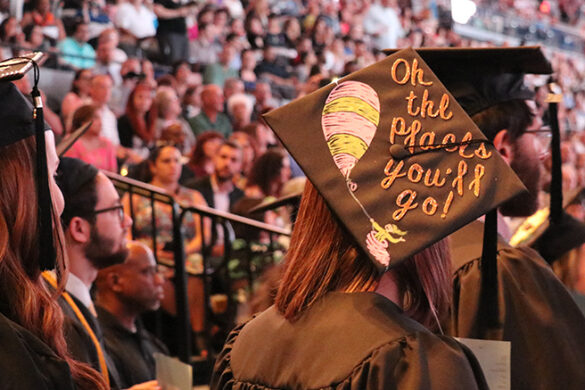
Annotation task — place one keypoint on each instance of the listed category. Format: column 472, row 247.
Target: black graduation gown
column 344, row 341
column 537, row 314
column 26, row 362
column 80, row 344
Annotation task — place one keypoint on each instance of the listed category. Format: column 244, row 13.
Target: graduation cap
column 480, row 78
column 397, row 160
column 21, row 120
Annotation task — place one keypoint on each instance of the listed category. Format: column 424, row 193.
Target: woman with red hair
column 33, row 353
column 339, row 323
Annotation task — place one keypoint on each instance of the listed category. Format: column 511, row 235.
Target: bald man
column 211, row 116
column 123, row 292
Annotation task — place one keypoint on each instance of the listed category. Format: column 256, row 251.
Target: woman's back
column 343, row 341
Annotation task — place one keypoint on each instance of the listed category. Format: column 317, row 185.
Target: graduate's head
column 324, row 257
column 396, row 165
column 94, row 221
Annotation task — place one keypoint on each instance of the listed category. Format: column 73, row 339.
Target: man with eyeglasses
column 95, row 229
column 530, row 308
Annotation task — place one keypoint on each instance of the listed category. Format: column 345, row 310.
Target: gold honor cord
column 102, row 360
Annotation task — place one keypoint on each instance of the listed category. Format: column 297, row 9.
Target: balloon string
column 348, row 182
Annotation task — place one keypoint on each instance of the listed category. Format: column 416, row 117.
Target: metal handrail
column 221, row 218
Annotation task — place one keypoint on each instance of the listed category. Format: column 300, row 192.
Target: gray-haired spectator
column 239, row 108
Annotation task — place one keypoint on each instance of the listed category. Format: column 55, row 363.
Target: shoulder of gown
column 410, row 357
column 28, row 363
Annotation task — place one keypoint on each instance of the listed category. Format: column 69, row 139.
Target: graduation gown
column 536, row 313
column 80, row 344
column 26, row 362
column 343, row 341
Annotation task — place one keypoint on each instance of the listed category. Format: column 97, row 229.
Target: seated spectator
column 249, row 154
column 232, row 86
column 192, row 101
column 201, row 162
column 135, row 22
column 101, row 92
column 254, row 31
column 217, row 72
column 105, row 62
column 92, row 147
column 219, row 189
column 264, row 100
column 10, row 33
column 247, row 73
column 131, row 74
column 292, row 32
column 111, row 36
column 183, row 76
column 239, row 108
column 78, row 96
column 76, row 52
column 165, row 169
column 96, row 15
column 205, row 49
column 36, row 41
column 268, row 175
column 122, row 293
column 211, row 116
column 41, row 15
column 168, row 111
column 262, row 135
column 136, row 127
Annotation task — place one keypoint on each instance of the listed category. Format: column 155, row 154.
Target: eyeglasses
column 119, row 208
column 542, row 139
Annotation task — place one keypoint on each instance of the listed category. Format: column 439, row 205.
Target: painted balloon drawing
column 349, row 121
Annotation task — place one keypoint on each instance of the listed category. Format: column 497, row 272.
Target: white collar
column 79, row 290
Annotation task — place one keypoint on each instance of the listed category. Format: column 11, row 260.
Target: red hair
column 324, row 257
column 142, row 128
column 22, row 289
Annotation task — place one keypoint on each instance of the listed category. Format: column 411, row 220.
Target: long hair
column 143, row 127
column 22, row 291
column 198, row 156
column 265, row 170
column 323, row 257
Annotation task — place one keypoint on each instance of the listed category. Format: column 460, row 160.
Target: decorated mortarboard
column 21, row 120
column 395, row 157
column 480, row 78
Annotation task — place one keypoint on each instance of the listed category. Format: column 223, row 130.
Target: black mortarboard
column 21, row 120
column 482, row 77
column 398, row 176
